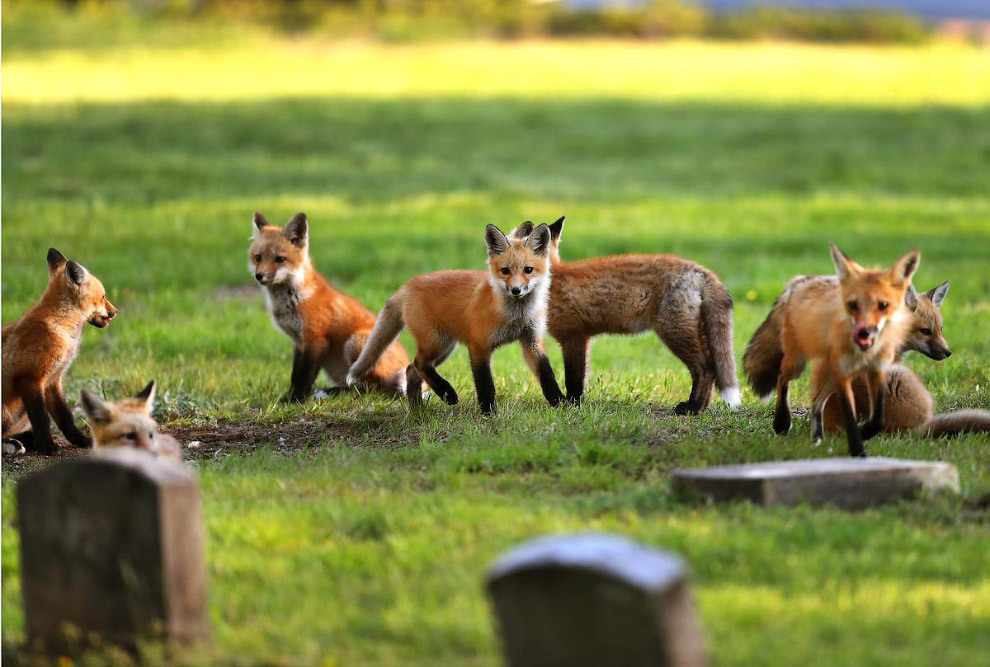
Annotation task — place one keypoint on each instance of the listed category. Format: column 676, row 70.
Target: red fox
column 483, row 310
column 683, row 302
column 129, row 424
column 907, row 404
column 857, row 330
column 328, row 328
column 39, row 348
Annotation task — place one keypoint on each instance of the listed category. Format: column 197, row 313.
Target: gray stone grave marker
column 594, row 600
column 112, row 546
column 848, row 483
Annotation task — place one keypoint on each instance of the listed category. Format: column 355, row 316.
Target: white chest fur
column 283, row 305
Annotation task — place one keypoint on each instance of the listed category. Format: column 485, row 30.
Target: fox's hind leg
column 430, row 353
column 790, row 369
column 576, row 355
column 688, row 347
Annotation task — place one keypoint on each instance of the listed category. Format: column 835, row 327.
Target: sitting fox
column 129, row 424
column 683, row 302
column 328, row 328
column 482, row 309
column 38, row 350
column 856, row 330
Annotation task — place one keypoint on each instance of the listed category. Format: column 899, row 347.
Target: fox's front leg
column 875, row 388
column 58, row 407
column 536, row 359
column 484, row 384
column 575, row 366
column 41, row 426
column 306, row 364
column 847, row 401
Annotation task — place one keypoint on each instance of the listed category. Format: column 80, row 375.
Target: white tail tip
column 732, row 397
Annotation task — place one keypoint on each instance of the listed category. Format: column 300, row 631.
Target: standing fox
column 39, row 348
column 907, row 404
column 129, row 424
column 328, row 328
column 856, row 330
column 683, row 302
column 483, row 310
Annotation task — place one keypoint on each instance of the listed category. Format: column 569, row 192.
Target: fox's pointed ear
column 523, row 230
column 937, row 294
column 495, row 240
column 259, row 223
column 75, row 272
column 96, row 410
column 911, row 298
column 297, row 230
column 56, row 260
column 903, row 269
column 147, row 395
column 556, row 228
column 539, row 240
column 844, row 266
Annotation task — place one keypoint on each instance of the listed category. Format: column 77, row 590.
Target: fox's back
column 445, row 298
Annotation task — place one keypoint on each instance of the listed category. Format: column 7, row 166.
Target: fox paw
column 685, row 408
column 782, row 423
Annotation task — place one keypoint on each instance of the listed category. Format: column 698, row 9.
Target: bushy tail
column 764, row 354
column 387, row 328
column 716, row 317
column 956, row 423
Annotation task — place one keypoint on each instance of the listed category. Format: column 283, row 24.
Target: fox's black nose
column 863, row 334
column 516, row 291
column 948, row 353
column 257, row 276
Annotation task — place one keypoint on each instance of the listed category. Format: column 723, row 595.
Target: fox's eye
column 279, row 259
column 528, row 269
column 257, row 258
column 505, row 270
column 882, row 306
column 852, row 306
column 131, row 436
column 925, row 331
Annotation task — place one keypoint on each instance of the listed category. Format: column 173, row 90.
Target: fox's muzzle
column 101, row 321
column 264, row 278
column 864, row 336
column 937, row 352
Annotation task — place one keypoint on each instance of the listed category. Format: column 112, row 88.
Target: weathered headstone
column 593, row 600
column 848, row 483
column 112, row 547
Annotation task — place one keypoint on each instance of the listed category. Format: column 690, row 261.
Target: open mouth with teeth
column 864, row 337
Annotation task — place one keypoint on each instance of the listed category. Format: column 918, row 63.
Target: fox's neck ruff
column 528, row 307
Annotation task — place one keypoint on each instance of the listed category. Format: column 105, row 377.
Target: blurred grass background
column 143, row 154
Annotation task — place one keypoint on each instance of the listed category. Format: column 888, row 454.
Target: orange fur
column 39, row 348
column 328, row 328
column 129, row 424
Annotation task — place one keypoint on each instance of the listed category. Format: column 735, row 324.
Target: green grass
column 368, row 546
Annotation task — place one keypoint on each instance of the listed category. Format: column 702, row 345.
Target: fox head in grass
column 125, row 424
column 526, row 228
column 519, row 266
column 277, row 254
column 872, row 299
column 78, row 289
column 926, row 323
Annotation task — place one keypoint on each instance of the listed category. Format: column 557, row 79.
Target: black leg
column 26, row 438
column 692, row 405
column 782, row 415
column 484, row 385
column 548, row 381
column 34, row 403
column 66, row 423
column 437, row 382
column 575, row 368
column 414, row 385
column 852, row 428
column 875, row 424
column 305, row 370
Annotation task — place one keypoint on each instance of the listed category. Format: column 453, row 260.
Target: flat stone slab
column 848, row 483
column 589, row 600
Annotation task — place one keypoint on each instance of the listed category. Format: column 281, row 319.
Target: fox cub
column 857, row 330
column 683, row 302
column 328, row 328
column 907, row 404
column 38, row 350
column 129, row 424
column 483, row 310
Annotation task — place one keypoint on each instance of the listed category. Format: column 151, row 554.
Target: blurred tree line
column 417, row 20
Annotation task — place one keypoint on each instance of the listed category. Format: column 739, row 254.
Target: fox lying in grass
column 482, row 309
column 39, row 348
column 907, row 404
column 328, row 328
column 129, row 424
column 856, row 330
column 683, row 302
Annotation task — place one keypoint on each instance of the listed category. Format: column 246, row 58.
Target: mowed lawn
column 350, row 532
